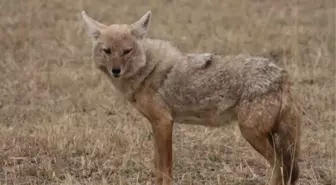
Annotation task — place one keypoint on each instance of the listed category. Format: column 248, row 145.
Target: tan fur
column 167, row 86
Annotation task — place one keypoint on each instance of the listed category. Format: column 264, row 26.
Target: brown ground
column 60, row 122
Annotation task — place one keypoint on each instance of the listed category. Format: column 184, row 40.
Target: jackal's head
column 116, row 48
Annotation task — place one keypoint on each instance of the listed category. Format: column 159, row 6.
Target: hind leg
column 259, row 141
column 276, row 177
column 257, row 119
column 287, row 148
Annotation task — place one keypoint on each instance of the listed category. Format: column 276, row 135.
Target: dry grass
column 60, row 122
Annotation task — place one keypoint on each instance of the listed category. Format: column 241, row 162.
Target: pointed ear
column 92, row 26
column 139, row 28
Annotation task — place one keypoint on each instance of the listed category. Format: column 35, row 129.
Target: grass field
column 60, row 122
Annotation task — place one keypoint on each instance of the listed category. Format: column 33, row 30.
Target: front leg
column 162, row 130
column 158, row 113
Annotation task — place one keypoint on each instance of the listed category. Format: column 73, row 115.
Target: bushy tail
column 288, row 131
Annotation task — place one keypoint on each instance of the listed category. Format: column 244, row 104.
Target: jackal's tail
column 288, row 131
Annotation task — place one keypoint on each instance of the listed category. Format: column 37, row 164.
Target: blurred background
column 60, row 122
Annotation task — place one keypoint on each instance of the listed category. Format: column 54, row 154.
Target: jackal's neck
column 161, row 56
column 159, row 49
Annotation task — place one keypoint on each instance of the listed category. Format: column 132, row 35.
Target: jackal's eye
column 107, row 50
column 127, row 51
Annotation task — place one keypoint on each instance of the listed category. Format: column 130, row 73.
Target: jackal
column 166, row 85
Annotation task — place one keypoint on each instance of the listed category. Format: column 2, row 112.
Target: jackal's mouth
column 115, row 75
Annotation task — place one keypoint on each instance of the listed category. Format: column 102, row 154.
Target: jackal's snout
column 116, row 72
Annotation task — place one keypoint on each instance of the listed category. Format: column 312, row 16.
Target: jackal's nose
column 116, row 71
